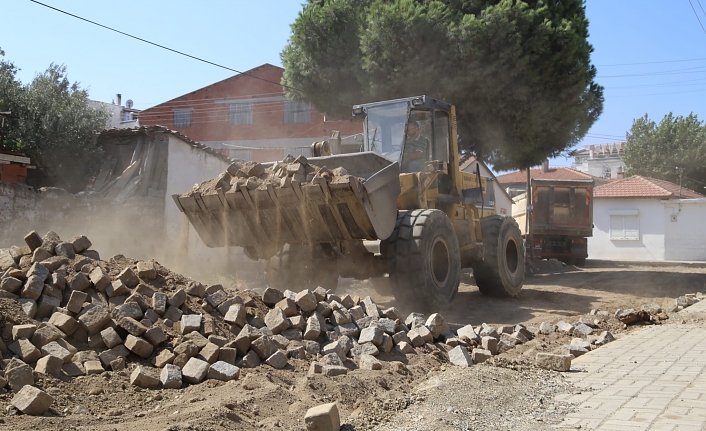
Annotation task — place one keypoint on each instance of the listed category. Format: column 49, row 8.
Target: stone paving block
column 49, row 365
column 73, row 369
column 28, row 306
column 163, row 358
column 190, row 323
column 223, row 371
column 95, row 319
column 58, row 351
column 99, row 278
column 93, row 367
column 132, row 326
column 459, row 356
column 209, row 353
column 553, row 362
column 306, row 301
column 32, row 401
column 79, row 282
column 45, row 335
column 64, row 323
column 334, row 370
column 139, row 346
column 155, row 335
column 369, row 362
column 277, row 360
column 23, row 331
column 276, row 320
column 480, row 355
column 324, row 417
column 195, row 371
column 76, row 301
column 18, row 374
column 170, row 377
column 146, row 270
column 288, row 306
column 145, row 377
column 25, row 350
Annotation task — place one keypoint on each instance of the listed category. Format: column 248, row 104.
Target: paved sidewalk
column 652, row 379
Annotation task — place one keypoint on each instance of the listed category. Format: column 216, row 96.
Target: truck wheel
column 424, row 259
column 502, row 272
column 298, row 266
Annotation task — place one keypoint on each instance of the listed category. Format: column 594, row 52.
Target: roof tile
column 638, row 186
column 558, row 173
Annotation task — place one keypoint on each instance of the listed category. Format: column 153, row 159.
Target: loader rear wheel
column 298, row 267
column 502, row 272
column 424, row 259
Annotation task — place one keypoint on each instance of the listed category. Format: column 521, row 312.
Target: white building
column 645, row 219
column 119, row 116
column 601, row 160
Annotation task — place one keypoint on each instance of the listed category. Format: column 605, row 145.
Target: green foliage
column 52, row 123
column 676, row 144
column 518, row 72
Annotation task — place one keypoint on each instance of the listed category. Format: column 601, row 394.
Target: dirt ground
column 421, row 391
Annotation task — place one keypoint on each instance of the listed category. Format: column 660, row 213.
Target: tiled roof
column 163, row 129
column 558, row 173
column 644, row 187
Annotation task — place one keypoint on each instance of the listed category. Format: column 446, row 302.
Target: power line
column 164, row 47
column 650, row 62
column 697, row 16
column 702, row 8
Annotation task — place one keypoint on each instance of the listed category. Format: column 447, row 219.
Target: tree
column 52, row 123
column 519, row 72
column 676, row 146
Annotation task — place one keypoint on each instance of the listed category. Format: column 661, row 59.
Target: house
column 516, row 182
column 121, row 117
column 248, row 117
column 601, row 160
column 642, row 218
column 497, row 197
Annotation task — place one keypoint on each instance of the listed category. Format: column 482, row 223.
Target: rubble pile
column 290, row 172
column 65, row 313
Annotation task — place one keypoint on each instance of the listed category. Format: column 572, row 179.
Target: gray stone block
column 170, row 377
column 32, row 401
column 195, row 371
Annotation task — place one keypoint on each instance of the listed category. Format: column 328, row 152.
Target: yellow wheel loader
column 401, row 209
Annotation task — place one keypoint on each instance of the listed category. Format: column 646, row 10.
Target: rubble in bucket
column 253, row 175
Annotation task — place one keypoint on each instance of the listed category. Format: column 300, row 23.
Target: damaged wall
column 146, row 224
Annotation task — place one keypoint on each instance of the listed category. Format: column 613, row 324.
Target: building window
column 624, row 226
column 182, row 118
column 297, row 112
column 240, row 113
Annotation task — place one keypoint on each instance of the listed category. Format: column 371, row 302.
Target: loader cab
column 414, row 131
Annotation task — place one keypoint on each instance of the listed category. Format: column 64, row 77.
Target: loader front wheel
column 424, row 259
column 502, row 271
column 298, row 267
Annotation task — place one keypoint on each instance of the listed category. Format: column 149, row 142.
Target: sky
column 650, row 54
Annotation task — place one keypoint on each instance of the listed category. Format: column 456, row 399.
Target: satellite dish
column 128, row 104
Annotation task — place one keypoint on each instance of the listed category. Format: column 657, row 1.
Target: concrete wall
column 650, row 245
column 188, row 253
column 685, row 229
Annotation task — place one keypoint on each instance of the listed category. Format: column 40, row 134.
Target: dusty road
column 564, row 292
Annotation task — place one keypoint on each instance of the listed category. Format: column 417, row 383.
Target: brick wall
column 13, row 173
column 210, row 120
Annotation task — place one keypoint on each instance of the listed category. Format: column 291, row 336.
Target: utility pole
column 529, row 212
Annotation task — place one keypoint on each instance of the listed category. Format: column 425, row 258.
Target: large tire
column 297, row 267
column 502, row 272
column 424, row 259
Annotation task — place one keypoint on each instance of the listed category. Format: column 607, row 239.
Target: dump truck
column 562, row 219
column 399, row 210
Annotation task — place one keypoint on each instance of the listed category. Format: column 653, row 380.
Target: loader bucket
column 358, row 206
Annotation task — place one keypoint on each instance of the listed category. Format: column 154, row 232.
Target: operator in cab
column 415, row 149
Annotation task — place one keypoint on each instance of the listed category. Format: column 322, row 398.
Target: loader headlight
column 357, row 110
